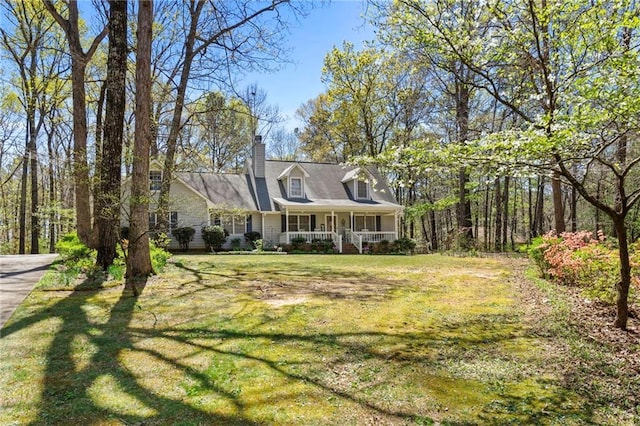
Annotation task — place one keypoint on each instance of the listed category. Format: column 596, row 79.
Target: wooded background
column 494, row 122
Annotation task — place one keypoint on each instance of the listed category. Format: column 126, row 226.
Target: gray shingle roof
column 323, row 188
column 324, row 183
column 222, row 189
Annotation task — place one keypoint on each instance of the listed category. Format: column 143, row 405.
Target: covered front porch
column 357, row 227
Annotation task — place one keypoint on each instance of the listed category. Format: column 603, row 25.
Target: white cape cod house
column 282, row 200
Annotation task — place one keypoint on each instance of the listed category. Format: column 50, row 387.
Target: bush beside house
column 214, row 237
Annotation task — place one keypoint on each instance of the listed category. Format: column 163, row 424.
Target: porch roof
column 338, row 205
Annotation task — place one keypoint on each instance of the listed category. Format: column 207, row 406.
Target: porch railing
column 376, row 237
column 355, row 239
column 358, row 239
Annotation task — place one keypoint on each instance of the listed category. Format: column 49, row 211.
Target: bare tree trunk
column 487, row 213
column 498, row 218
column 139, row 259
column 558, row 207
column 465, row 222
column 22, row 218
column 108, row 199
column 35, row 220
column 622, row 304
column 505, row 213
column 574, row 210
column 52, row 192
column 538, row 219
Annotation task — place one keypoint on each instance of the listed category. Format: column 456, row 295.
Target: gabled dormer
column 293, row 179
column 358, row 181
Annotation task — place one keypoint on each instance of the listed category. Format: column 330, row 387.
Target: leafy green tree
column 71, row 25
column 359, row 85
column 35, row 51
column 224, row 132
column 589, row 91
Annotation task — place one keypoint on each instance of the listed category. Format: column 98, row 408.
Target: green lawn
column 291, row 339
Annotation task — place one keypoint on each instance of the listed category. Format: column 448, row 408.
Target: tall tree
column 32, row 47
column 360, row 84
column 213, row 27
column 79, row 60
column 108, row 197
column 595, row 80
column 429, row 30
column 223, row 125
column 138, row 259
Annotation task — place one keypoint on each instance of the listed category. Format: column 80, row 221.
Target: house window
column 364, row 222
column 173, row 220
column 295, row 187
column 300, row 223
column 155, row 180
column 231, row 224
column 362, row 189
column 153, row 220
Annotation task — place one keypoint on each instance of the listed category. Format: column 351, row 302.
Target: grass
column 295, row 340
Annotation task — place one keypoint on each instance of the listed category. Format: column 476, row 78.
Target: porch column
column 286, row 222
column 262, row 224
column 395, row 223
column 333, row 221
column 351, row 221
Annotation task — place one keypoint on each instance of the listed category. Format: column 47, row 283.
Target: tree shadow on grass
column 86, row 352
column 70, row 378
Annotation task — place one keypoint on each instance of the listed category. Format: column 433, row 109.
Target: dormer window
column 155, row 180
column 292, row 179
column 295, row 187
column 362, row 189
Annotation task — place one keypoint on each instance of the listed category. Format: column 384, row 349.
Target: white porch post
column 395, row 223
column 351, row 221
column 262, row 216
column 333, row 221
column 286, row 230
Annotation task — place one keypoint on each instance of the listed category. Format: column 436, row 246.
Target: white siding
column 192, row 210
column 272, row 229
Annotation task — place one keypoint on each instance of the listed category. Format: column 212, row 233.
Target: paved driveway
column 18, row 275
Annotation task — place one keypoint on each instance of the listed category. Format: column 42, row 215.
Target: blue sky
column 325, row 27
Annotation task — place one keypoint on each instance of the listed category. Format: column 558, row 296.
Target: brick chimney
column 258, row 157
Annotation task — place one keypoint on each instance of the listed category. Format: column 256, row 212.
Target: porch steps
column 348, row 248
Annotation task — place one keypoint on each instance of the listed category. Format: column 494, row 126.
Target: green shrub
column 252, row 237
column 159, row 257
column 184, row 236
column 404, row 245
column 70, row 248
column 297, row 242
column 214, row 236
column 536, row 253
column 383, row 247
column 235, row 244
column 160, row 239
